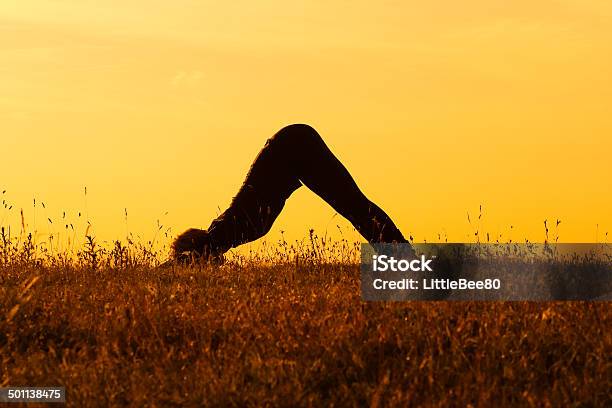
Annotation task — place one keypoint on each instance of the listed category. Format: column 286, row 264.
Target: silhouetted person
column 294, row 156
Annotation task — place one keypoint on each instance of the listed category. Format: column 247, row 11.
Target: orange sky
column 435, row 108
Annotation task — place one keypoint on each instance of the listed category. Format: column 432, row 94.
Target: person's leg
column 294, row 155
column 317, row 167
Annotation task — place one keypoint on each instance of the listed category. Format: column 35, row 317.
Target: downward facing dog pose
column 294, row 156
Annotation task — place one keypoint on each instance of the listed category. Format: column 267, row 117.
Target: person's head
column 194, row 245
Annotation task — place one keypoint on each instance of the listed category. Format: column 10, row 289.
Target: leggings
column 293, row 157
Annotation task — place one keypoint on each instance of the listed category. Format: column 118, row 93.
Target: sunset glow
column 436, row 109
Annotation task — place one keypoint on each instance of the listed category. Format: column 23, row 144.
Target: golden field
column 121, row 332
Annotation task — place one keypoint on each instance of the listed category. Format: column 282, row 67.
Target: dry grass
column 295, row 334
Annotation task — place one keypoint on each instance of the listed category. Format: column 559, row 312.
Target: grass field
column 294, row 334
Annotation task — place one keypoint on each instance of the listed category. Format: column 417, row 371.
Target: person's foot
column 194, row 245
